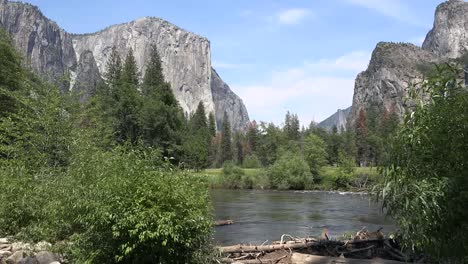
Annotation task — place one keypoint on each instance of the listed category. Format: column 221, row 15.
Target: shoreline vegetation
column 361, row 180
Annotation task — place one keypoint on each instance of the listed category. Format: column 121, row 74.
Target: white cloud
column 313, row 90
column 292, row 16
column 397, row 9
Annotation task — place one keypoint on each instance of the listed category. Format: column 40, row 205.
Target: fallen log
column 299, row 258
column 253, row 261
column 223, row 222
column 266, row 248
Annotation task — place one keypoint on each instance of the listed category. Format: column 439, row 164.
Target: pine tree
column 113, row 73
column 253, row 137
column 154, row 76
column 161, row 118
column 130, row 74
column 240, row 153
column 128, row 103
column 226, row 141
column 212, row 124
column 198, row 120
column 361, row 138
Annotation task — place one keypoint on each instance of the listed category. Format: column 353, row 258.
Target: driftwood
column 253, row 261
column 363, row 247
column 299, row 258
column 266, row 248
column 223, row 222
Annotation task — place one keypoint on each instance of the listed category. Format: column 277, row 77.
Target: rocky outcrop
column 338, row 120
column 449, row 36
column 186, row 57
column 392, row 70
column 395, row 66
column 224, row 98
column 45, row 46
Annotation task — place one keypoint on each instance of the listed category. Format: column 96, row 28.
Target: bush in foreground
column 112, row 207
column 426, row 179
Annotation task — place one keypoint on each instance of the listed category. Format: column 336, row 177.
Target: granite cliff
column 81, row 58
column 338, row 120
column 395, row 66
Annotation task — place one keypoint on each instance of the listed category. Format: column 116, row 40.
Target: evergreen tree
column 361, row 138
column 161, row 119
column 198, row 120
column 130, row 74
column 226, row 141
column 154, row 76
column 240, row 153
column 212, row 124
column 292, row 126
column 113, row 73
column 128, row 103
column 253, row 137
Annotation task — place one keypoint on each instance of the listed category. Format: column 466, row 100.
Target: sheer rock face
column 186, row 57
column 224, row 98
column 338, row 120
column 394, row 67
column 449, row 36
column 392, row 70
column 45, row 46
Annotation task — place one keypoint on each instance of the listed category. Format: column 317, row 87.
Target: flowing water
column 266, row 215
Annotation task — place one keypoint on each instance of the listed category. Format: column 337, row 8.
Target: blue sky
column 296, row 55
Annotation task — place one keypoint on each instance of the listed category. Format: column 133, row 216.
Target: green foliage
column 212, row 124
column 291, row 126
column 12, row 76
column 232, row 176
column 226, row 140
column 251, row 162
column 130, row 73
column 113, row 74
column 425, row 182
column 115, row 206
column 290, row 171
column 161, row 119
column 270, row 143
column 314, row 153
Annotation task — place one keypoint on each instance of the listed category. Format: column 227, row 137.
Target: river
column 265, row 215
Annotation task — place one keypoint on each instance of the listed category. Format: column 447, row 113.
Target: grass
column 362, row 179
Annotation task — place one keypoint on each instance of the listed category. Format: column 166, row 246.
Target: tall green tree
column 161, row 118
column 253, row 137
column 292, row 126
column 314, row 153
column 128, row 103
column 113, row 73
column 212, row 124
column 226, row 140
column 130, row 73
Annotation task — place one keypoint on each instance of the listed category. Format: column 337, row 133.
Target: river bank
column 360, row 181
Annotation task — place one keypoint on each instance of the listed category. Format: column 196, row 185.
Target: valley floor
column 362, row 179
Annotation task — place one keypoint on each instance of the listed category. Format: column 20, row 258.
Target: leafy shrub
column 251, row 162
column 425, row 182
column 232, row 175
column 113, row 207
column 290, row 172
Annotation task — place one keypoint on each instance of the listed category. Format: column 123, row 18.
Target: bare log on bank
column 223, row 222
column 266, row 248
